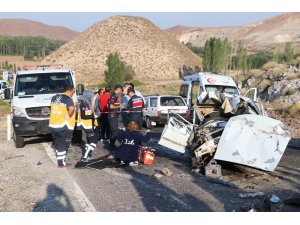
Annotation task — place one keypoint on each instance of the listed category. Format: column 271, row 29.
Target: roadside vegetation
column 4, row 108
column 29, row 47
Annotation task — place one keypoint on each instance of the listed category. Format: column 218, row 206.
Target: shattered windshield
column 43, row 83
column 226, row 89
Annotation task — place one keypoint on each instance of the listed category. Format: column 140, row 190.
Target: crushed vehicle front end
column 228, row 128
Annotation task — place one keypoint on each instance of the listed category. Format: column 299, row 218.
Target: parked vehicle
column 31, row 96
column 158, row 109
column 3, row 86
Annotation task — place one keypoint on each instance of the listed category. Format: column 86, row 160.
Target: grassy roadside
column 4, row 108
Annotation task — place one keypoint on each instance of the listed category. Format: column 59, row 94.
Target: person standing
column 124, row 100
column 62, row 123
column 104, row 123
column 135, row 107
column 97, row 110
column 87, row 120
column 138, row 93
column 114, row 107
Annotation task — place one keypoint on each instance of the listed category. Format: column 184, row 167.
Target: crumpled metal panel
column 253, row 140
column 175, row 135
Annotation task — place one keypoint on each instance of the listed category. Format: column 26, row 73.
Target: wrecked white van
column 226, row 126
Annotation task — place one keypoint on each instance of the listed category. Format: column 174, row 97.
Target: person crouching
column 127, row 152
column 87, row 120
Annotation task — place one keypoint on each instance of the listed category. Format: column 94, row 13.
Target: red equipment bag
column 146, row 155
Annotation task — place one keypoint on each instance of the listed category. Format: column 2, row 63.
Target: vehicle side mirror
column 7, row 93
column 80, row 89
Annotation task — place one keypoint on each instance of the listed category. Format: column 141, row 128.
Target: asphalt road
column 110, row 188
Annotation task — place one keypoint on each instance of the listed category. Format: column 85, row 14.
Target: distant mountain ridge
column 263, row 35
column 23, row 27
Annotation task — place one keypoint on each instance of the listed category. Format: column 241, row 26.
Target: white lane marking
column 84, row 201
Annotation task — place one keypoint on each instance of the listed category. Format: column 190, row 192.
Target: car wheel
column 19, row 141
column 148, row 123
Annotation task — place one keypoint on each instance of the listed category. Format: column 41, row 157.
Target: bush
column 269, row 65
column 294, row 109
column 291, row 91
column 137, row 83
column 128, row 72
column 264, row 85
column 288, row 91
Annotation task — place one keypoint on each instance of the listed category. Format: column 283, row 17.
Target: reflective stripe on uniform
column 60, row 157
column 61, row 153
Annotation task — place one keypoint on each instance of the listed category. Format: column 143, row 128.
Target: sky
column 81, row 21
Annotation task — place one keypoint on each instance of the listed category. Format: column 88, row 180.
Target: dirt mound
column 153, row 53
column 21, row 27
column 263, row 35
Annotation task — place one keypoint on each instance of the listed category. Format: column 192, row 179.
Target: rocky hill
column 22, row 27
column 263, row 35
column 153, row 53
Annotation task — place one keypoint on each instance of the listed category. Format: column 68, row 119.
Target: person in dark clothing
column 135, row 107
column 114, row 109
column 87, row 120
column 130, row 138
column 104, row 123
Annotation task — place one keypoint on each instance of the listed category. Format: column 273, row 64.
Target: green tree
column 288, row 53
column 128, row 72
column 240, row 56
column 115, row 69
column 207, row 56
column 216, row 55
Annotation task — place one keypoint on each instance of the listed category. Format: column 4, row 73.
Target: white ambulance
column 31, row 96
column 195, row 87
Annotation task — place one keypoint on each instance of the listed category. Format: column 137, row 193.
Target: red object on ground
column 146, row 155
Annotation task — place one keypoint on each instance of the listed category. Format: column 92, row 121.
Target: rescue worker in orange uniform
column 62, row 123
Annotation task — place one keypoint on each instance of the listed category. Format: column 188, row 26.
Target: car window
column 184, row 90
column 146, row 103
column 153, row 102
column 171, row 101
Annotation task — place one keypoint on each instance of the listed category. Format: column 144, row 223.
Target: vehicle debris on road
column 166, row 172
column 251, row 195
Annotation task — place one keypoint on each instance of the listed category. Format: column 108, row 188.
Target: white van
column 31, row 97
column 158, row 109
column 195, row 85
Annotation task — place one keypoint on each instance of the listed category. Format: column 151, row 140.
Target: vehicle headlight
column 17, row 111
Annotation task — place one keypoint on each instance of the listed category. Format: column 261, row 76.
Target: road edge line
column 83, row 200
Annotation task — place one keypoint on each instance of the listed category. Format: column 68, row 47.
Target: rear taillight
column 159, row 113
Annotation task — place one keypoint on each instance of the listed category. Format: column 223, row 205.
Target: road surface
column 136, row 189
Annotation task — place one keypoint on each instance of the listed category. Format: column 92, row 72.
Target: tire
column 148, row 123
column 19, row 141
column 77, row 136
